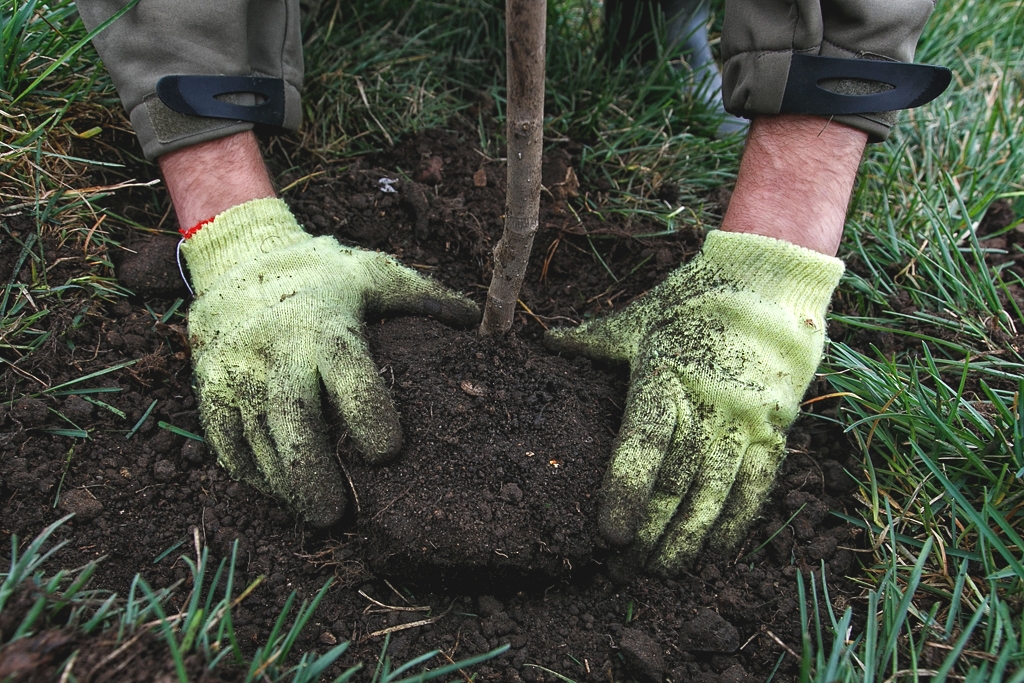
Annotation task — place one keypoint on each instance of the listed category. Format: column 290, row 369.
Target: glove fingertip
column 599, row 340
column 617, row 522
column 456, row 310
column 565, row 340
column 669, row 565
column 222, row 427
column 382, row 444
column 723, row 542
column 327, row 511
column 379, row 441
column 615, row 532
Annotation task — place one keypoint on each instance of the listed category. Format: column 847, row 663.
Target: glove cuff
column 794, row 277
column 238, row 236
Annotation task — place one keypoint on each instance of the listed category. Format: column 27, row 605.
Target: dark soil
column 487, row 516
column 505, row 448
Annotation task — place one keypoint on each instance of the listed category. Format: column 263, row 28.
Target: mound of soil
column 459, row 526
column 505, row 447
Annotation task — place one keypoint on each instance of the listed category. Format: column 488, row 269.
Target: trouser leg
column 160, row 38
column 760, row 37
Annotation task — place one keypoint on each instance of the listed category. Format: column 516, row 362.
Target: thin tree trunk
column 525, row 30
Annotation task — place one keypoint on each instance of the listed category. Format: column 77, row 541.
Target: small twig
column 397, row 498
column 400, row 596
column 531, row 314
column 392, row 608
column 918, row 672
column 403, row 627
column 167, row 212
column 461, row 672
column 362, row 94
column 552, row 248
column 968, row 653
column 351, row 485
column 837, row 394
column 199, row 547
column 169, row 620
column 88, row 238
column 24, row 373
column 304, row 178
column 66, row 673
column 270, row 660
column 785, row 647
column 400, row 627
column 219, row 614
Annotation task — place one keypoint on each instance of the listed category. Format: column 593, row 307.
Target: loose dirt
column 487, row 517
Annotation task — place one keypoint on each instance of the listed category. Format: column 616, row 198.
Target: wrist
column 795, row 181
column 782, row 273
column 209, row 178
column 238, row 236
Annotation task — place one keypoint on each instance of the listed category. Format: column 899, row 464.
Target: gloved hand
column 720, row 356
column 277, row 311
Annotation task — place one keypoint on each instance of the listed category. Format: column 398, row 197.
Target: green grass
column 937, row 408
column 203, row 625
column 939, row 415
column 51, row 95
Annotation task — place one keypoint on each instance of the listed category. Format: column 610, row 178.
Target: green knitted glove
column 277, row 312
column 720, row 356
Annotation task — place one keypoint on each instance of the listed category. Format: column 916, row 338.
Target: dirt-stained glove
column 720, row 356
column 277, row 312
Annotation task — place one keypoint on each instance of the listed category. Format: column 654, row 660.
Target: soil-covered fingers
column 223, row 427
column 266, row 428
column 644, row 439
column 674, row 480
column 305, row 473
column 753, row 484
column 358, row 393
column 609, row 339
column 397, row 289
column 713, row 480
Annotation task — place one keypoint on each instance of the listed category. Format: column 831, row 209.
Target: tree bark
column 525, row 33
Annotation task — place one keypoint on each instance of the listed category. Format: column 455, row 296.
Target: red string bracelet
column 185, row 234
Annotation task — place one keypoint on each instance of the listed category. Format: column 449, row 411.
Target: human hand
column 720, row 356
column 277, row 312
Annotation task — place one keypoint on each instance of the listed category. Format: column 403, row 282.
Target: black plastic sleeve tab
column 912, row 85
column 197, row 96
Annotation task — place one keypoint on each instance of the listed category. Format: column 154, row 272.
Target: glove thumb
column 602, row 339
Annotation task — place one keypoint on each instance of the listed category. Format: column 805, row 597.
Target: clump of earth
column 505, row 448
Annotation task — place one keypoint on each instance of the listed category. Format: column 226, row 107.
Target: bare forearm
column 211, row 177
column 795, row 181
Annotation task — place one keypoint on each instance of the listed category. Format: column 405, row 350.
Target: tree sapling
column 525, row 29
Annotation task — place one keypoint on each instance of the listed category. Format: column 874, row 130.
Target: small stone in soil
column 708, row 632
column 193, row 451
column 77, row 409
column 81, row 503
column 643, row 655
column 164, row 470
column 31, row 412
